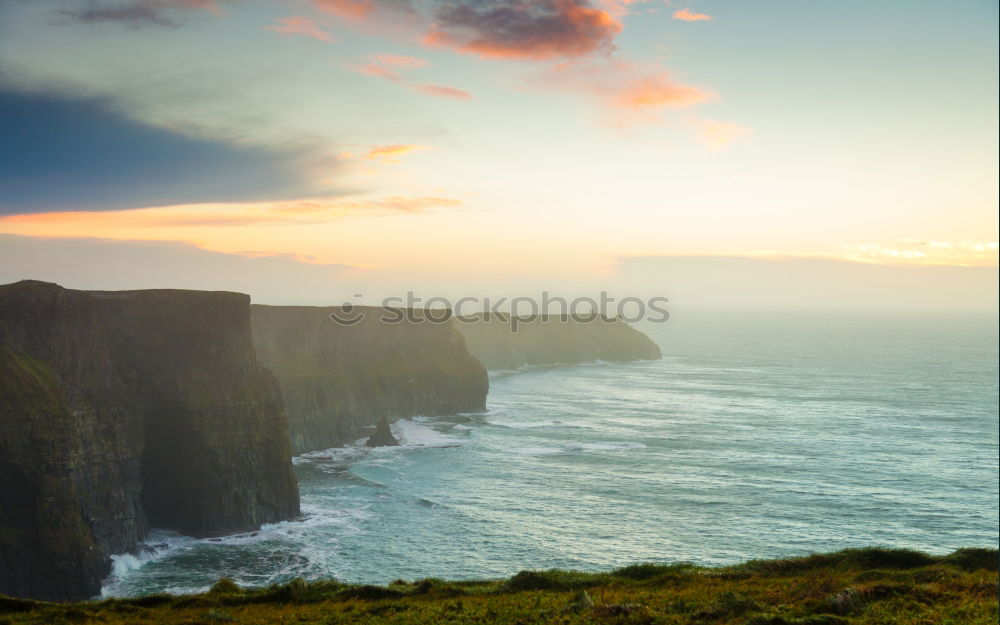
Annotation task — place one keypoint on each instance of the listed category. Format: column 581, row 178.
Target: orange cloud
column 304, row 26
column 390, row 153
column 136, row 223
column 656, row 91
column 685, row 15
column 354, row 10
column 442, row 91
column 533, row 31
column 719, row 135
column 399, row 60
column 632, row 91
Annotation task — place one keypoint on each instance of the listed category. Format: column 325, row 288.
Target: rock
column 552, row 339
column 339, row 380
column 125, row 410
column 382, row 437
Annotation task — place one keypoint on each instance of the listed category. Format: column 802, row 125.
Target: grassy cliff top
column 847, row 587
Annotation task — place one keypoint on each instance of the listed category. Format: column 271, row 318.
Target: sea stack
column 382, row 437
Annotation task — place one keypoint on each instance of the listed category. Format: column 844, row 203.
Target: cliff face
column 339, row 380
column 550, row 339
column 124, row 410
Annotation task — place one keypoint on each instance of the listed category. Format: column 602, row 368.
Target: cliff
column 339, row 380
column 551, row 339
column 125, row 410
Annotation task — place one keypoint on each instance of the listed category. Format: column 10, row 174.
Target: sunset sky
column 494, row 140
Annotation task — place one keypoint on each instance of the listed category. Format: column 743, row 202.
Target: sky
column 301, row 150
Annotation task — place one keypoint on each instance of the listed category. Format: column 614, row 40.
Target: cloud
column 632, row 92
column 719, row 135
column 137, row 13
column 518, row 29
column 188, row 221
column 374, row 69
column 622, row 8
column 442, row 91
column 67, row 152
column 914, row 251
column 390, row 153
column 308, row 211
column 399, row 60
column 386, row 65
column 379, row 15
column 685, row 15
column 303, row 26
column 356, row 10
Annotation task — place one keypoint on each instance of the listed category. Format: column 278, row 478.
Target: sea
column 760, row 434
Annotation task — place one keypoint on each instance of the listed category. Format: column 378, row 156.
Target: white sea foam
column 608, row 446
column 416, row 433
column 528, row 425
column 571, row 447
column 122, row 563
column 535, row 451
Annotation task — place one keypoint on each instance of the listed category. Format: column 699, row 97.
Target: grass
column 878, row 586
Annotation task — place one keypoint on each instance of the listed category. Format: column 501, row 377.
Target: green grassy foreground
column 853, row 586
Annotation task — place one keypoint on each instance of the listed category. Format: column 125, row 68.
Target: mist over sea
column 758, row 435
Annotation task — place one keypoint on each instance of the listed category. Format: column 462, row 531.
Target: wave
column 412, row 433
column 608, row 446
column 549, row 366
column 527, row 425
column 162, row 544
column 416, row 433
column 536, row 451
column 576, row 447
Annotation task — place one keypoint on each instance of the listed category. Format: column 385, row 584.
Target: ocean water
column 758, row 435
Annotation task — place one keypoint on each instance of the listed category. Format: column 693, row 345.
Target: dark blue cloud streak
column 69, row 153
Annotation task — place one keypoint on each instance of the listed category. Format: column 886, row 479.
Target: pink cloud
column 303, row 26
column 442, row 91
column 685, row 15
column 354, row 10
column 399, row 60
column 380, row 66
column 374, row 69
